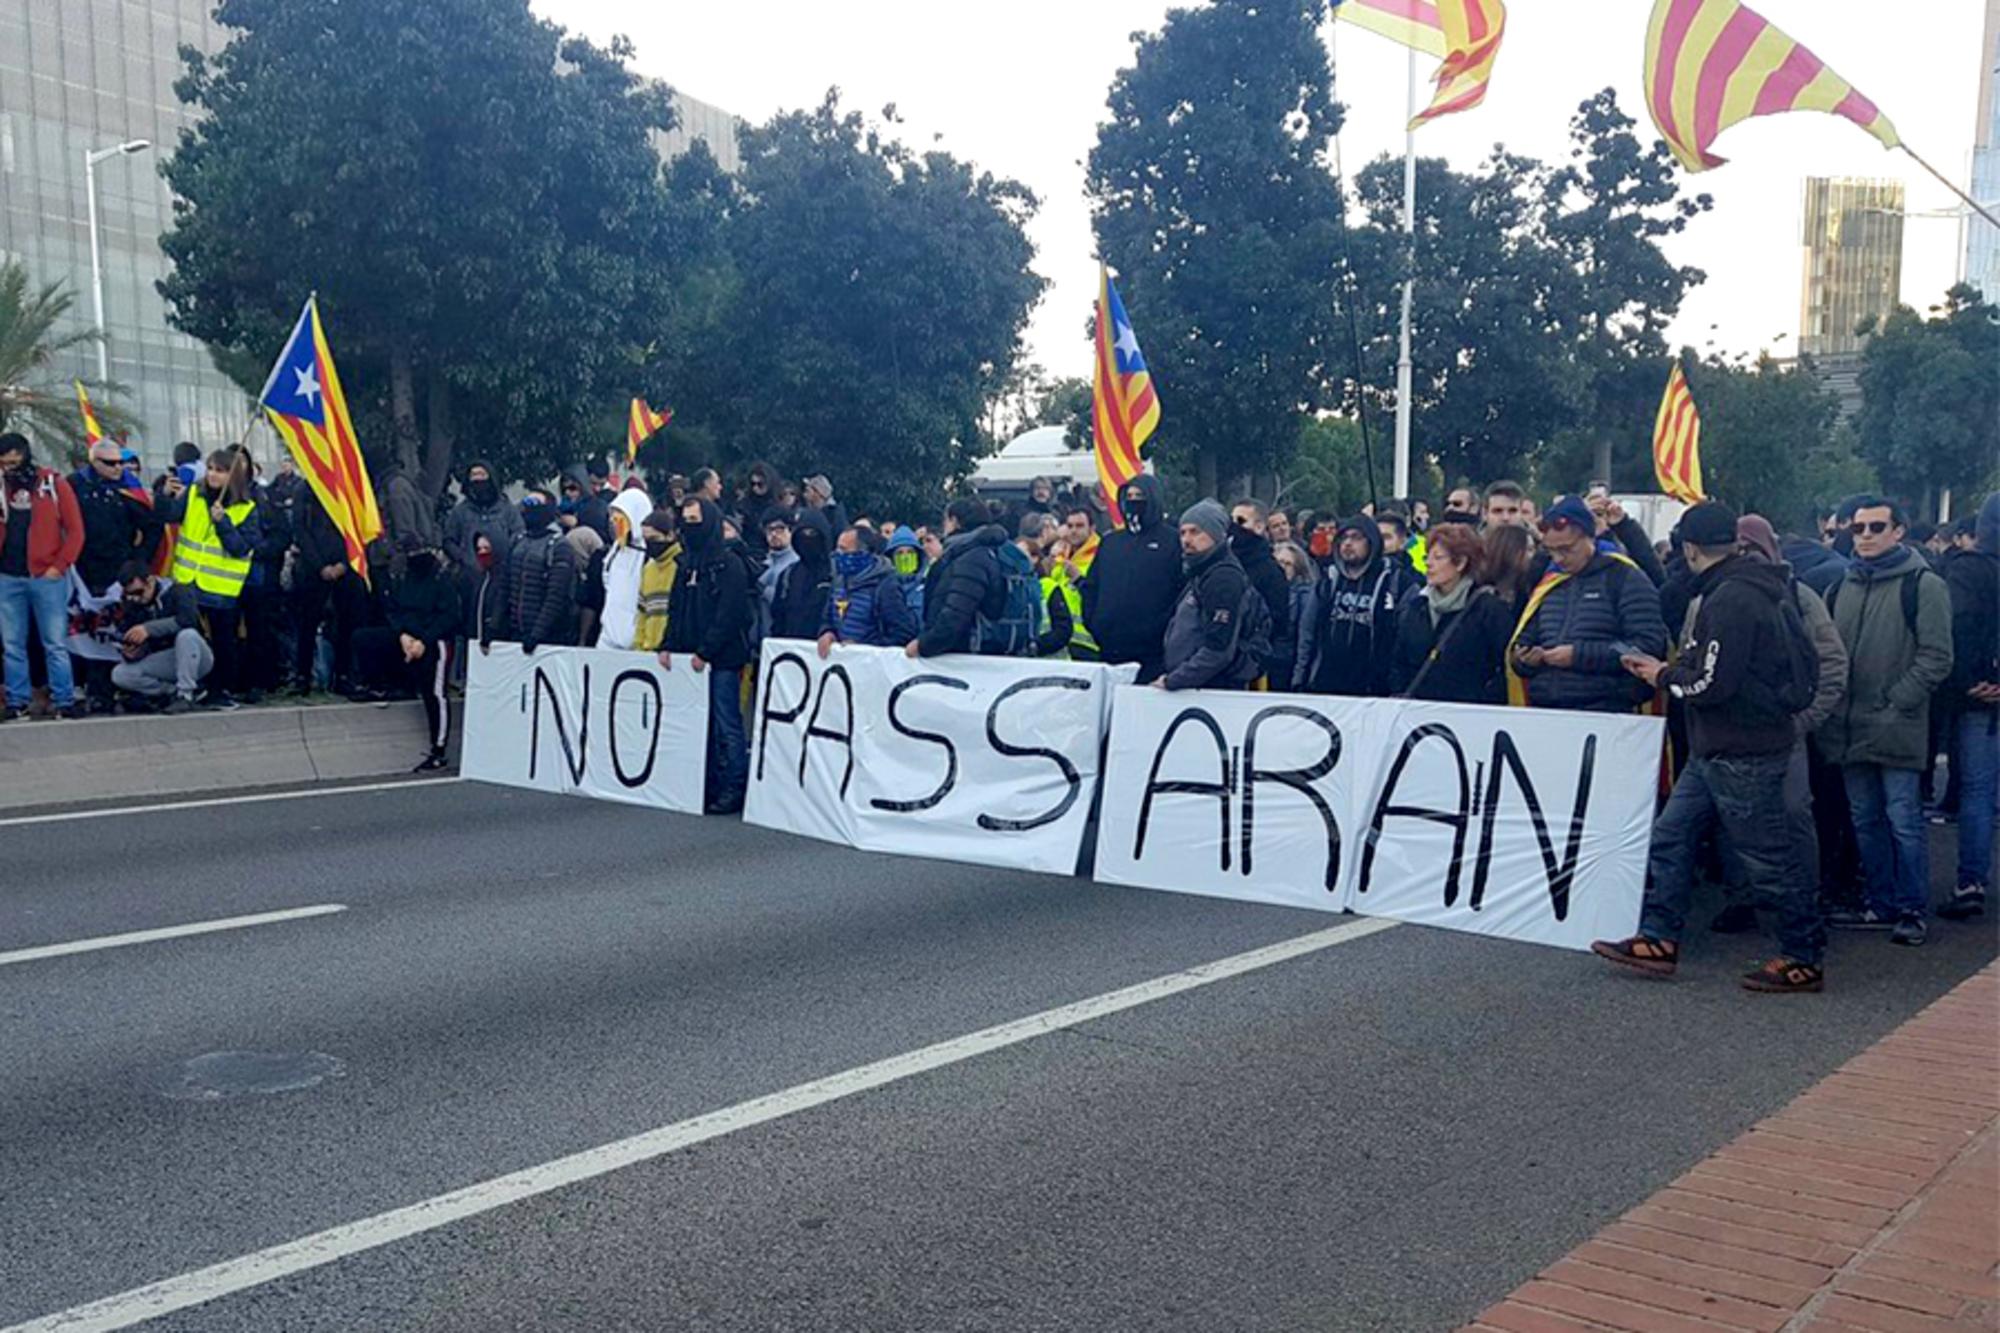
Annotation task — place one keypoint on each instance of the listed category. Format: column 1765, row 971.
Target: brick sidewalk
column 1871, row 1202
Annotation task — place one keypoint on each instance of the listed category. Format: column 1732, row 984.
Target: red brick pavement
column 1872, row 1202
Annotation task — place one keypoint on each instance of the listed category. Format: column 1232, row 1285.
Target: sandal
column 1782, row 976
column 1655, row 958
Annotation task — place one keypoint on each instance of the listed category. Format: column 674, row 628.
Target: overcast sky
column 1020, row 88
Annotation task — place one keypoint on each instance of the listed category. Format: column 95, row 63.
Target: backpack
column 1800, row 684
column 1909, row 599
column 1015, row 624
column 1253, row 636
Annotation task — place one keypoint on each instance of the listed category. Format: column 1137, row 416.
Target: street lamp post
column 90, row 161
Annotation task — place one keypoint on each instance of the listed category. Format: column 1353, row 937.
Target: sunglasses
column 1875, row 529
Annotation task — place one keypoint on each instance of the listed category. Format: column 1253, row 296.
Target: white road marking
column 207, row 801
column 335, row 1243
column 168, row 933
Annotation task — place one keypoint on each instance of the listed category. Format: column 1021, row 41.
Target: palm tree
column 31, row 401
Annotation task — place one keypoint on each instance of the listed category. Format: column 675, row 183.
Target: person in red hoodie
column 41, row 535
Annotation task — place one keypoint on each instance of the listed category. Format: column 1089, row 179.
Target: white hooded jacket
column 623, row 563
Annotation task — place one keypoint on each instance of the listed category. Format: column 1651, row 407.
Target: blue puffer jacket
column 866, row 605
column 912, row 584
column 1609, row 609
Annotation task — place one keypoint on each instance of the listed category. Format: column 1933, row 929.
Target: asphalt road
column 1389, row 1133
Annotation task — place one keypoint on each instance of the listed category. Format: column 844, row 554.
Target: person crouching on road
column 162, row 644
column 1221, row 628
column 1735, row 674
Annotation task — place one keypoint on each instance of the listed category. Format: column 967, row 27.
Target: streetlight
column 90, row 161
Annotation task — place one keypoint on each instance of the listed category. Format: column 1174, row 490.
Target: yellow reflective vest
column 1081, row 645
column 199, row 558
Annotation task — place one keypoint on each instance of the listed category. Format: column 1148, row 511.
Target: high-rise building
column 1982, row 240
column 78, row 76
column 1853, row 238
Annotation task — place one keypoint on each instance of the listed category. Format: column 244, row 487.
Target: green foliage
column 1327, row 473
column 1768, row 443
column 474, row 197
column 1213, row 202
column 1930, row 415
column 32, row 400
column 876, row 301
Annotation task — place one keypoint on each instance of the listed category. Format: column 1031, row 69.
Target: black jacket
column 118, row 525
column 1200, row 645
column 319, row 542
column 1267, row 576
column 538, row 603
column 1133, row 584
column 1731, row 667
column 965, row 581
column 1348, row 645
column 1973, row 579
column 1471, row 665
column 425, row 605
column 709, row 614
column 1607, row 610
column 173, row 609
column 799, row 603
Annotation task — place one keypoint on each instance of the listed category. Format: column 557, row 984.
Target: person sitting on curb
column 165, row 654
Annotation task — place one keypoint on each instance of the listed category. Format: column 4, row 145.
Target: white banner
column 1529, row 825
column 588, row 722
column 990, row 760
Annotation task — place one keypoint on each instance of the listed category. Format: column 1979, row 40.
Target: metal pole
column 1401, row 486
column 96, row 267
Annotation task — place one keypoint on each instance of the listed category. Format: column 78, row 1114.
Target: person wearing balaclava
column 1206, row 645
column 538, row 589
column 624, row 561
column 1349, row 648
column 413, row 652
column 1135, row 581
column 799, row 602
column 483, row 512
column 708, row 629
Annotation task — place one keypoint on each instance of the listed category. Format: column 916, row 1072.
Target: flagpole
column 1401, row 485
column 1945, row 181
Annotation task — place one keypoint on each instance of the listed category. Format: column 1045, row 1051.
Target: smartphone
column 1598, row 490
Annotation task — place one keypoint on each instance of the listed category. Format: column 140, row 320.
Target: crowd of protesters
column 1810, row 682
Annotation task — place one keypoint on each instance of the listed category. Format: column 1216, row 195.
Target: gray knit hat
column 1210, row 517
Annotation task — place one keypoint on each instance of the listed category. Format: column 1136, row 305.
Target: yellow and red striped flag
column 1713, row 63
column 1124, row 410
column 1677, row 441
column 92, row 432
column 1464, row 34
column 304, row 402
column 642, row 425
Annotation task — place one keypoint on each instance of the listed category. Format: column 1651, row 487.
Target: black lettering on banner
column 814, row 731
column 765, row 717
column 1458, row 819
column 1219, row 790
column 1561, row 875
column 577, row 757
column 950, row 750
column 1070, row 775
column 1299, row 780
column 652, row 683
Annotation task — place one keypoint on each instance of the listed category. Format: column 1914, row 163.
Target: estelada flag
column 92, row 432
column 1677, row 441
column 1124, row 410
column 304, row 402
column 643, row 424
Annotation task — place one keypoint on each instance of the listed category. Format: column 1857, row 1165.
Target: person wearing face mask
column 798, row 603
column 1250, row 541
column 1347, row 644
column 483, row 512
column 906, row 557
column 656, row 579
column 624, row 563
column 1135, row 581
column 538, row 589
column 865, row 604
column 413, row 652
column 709, row 624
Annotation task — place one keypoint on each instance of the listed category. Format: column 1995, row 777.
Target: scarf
column 1444, row 604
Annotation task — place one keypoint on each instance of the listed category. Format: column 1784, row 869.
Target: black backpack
column 1253, row 636
column 1800, row 684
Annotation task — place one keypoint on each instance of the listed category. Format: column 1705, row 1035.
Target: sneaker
column 1910, row 932
column 1782, row 976
column 9, row 714
column 1655, row 958
column 1735, row 919
column 218, row 701
column 434, row 762
column 1967, row 901
column 1858, row 918
column 179, row 704
column 72, row 712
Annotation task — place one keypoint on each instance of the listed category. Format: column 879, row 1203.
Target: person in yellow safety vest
column 1074, row 553
column 1399, row 544
column 219, row 533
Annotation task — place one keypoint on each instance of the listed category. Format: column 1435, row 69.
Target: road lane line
column 208, row 801
column 325, row 1247
column 168, row 933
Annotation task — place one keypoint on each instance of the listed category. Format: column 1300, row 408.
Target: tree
column 1767, row 436
column 31, row 401
column 880, row 300
column 1930, row 397
column 474, row 196
column 1213, row 201
column 1328, row 473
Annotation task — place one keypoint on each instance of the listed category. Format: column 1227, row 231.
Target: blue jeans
column 1889, row 826
column 45, row 602
column 1978, row 760
column 728, row 748
column 1745, row 794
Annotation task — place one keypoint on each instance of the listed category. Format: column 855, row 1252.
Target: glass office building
column 1853, row 238
column 77, row 76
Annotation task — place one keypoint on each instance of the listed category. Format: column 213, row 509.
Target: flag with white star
column 303, row 400
column 1124, row 409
